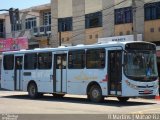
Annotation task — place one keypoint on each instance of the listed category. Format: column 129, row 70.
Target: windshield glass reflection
column 140, row 64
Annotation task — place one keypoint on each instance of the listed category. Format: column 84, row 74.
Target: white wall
column 92, row 5
column 64, row 8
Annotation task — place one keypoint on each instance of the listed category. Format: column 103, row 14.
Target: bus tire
column 58, row 95
column 123, row 99
column 32, row 90
column 95, row 94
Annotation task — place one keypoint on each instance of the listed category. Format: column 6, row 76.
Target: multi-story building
column 2, row 30
column 35, row 24
column 84, row 21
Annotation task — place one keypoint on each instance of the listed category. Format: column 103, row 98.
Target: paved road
column 20, row 103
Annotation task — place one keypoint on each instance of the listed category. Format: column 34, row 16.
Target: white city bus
column 116, row 69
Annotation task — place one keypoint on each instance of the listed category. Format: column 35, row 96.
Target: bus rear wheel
column 123, row 99
column 95, row 94
column 32, row 90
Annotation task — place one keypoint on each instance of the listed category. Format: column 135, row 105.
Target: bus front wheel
column 123, row 99
column 32, row 90
column 95, row 94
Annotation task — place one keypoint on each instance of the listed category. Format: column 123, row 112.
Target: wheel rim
column 95, row 93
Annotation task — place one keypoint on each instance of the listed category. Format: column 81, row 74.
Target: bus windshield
column 140, row 65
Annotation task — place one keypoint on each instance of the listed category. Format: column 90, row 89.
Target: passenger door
column 18, row 76
column 114, row 72
column 60, row 73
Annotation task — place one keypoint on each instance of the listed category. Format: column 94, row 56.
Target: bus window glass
column 76, row 59
column 44, row 60
column 95, row 58
column 61, row 62
column 30, row 61
column 8, row 62
column 18, row 64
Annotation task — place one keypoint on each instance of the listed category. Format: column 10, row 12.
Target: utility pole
column 14, row 19
column 134, row 19
column 60, row 38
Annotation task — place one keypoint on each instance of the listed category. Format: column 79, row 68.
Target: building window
column 152, row 30
column 31, row 23
column 16, row 27
column 76, row 59
column 30, row 61
column 95, row 58
column 47, row 18
column 44, row 60
column 8, row 62
column 123, row 15
column 2, row 28
column 152, row 11
column 93, row 20
column 64, row 24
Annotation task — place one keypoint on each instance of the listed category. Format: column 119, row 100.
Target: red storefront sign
column 13, row 44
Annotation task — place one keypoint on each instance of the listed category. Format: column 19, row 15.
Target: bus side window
column 30, row 61
column 64, row 64
column 44, row 60
column 8, row 62
column 58, row 65
column 95, row 58
column 76, row 59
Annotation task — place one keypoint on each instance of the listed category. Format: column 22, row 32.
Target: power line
column 136, row 8
column 84, row 15
column 83, row 20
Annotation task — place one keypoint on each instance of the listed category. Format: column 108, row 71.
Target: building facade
column 35, row 24
column 2, row 26
column 84, row 21
column 75, row 22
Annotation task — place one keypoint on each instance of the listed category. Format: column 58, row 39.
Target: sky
column 21, row 4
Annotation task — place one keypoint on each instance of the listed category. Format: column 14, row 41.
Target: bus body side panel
column 29, row 75
column 78, row 80
column 7, row 78
column 45, row 81
column 7, row 81
column 75, row 84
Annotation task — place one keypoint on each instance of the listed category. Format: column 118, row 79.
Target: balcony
column 41, row 31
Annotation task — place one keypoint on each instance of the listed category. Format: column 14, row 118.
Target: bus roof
column 81, row 46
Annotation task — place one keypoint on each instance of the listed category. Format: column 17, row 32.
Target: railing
column 41, row 31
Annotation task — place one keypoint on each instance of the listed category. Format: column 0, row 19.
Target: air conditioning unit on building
column 42, row 30
column 35, row 31
column 48, row 29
